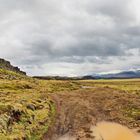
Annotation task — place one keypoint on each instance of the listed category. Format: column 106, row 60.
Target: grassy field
column 27, row 111
column 93, row 101
column 129, row 86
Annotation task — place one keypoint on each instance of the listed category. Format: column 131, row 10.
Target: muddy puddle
column 113, row 131
column 108, row 131
column 67, row 137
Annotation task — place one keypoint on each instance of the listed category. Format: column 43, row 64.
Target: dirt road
column 78, row 110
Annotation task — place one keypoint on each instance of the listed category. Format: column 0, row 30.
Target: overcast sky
column 70, row 37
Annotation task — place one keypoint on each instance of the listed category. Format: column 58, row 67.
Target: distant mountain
column 57, row 78
column 7, row 66
column 120, row 75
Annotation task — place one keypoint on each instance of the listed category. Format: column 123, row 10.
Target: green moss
column 10, row 75
column 19, row 95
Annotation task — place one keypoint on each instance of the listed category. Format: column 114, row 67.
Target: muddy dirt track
column 78, row 110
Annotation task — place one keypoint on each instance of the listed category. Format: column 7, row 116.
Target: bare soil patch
column 78, row 111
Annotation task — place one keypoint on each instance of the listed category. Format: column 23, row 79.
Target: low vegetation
column 27, row 109
column 129, row 90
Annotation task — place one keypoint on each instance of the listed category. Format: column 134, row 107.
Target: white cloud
column 74, row 37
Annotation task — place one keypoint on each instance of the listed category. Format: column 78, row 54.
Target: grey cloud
column 40, row 32
column 119, row 10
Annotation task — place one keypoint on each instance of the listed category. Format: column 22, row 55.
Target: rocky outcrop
column 7, row 65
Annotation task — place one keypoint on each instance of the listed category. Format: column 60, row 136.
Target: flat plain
column 35, row 109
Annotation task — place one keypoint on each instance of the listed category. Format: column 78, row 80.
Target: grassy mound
column 10, row 75
column 26, row 111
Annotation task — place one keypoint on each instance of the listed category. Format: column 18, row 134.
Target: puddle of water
column 113, row 131
column 108, row 131
column 66, row 137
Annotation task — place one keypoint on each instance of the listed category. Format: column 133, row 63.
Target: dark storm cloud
column 64, row 33
column 102, row 47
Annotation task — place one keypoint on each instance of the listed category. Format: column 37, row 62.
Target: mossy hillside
column 10, row 75
column 6, row 65
column 26, row 110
